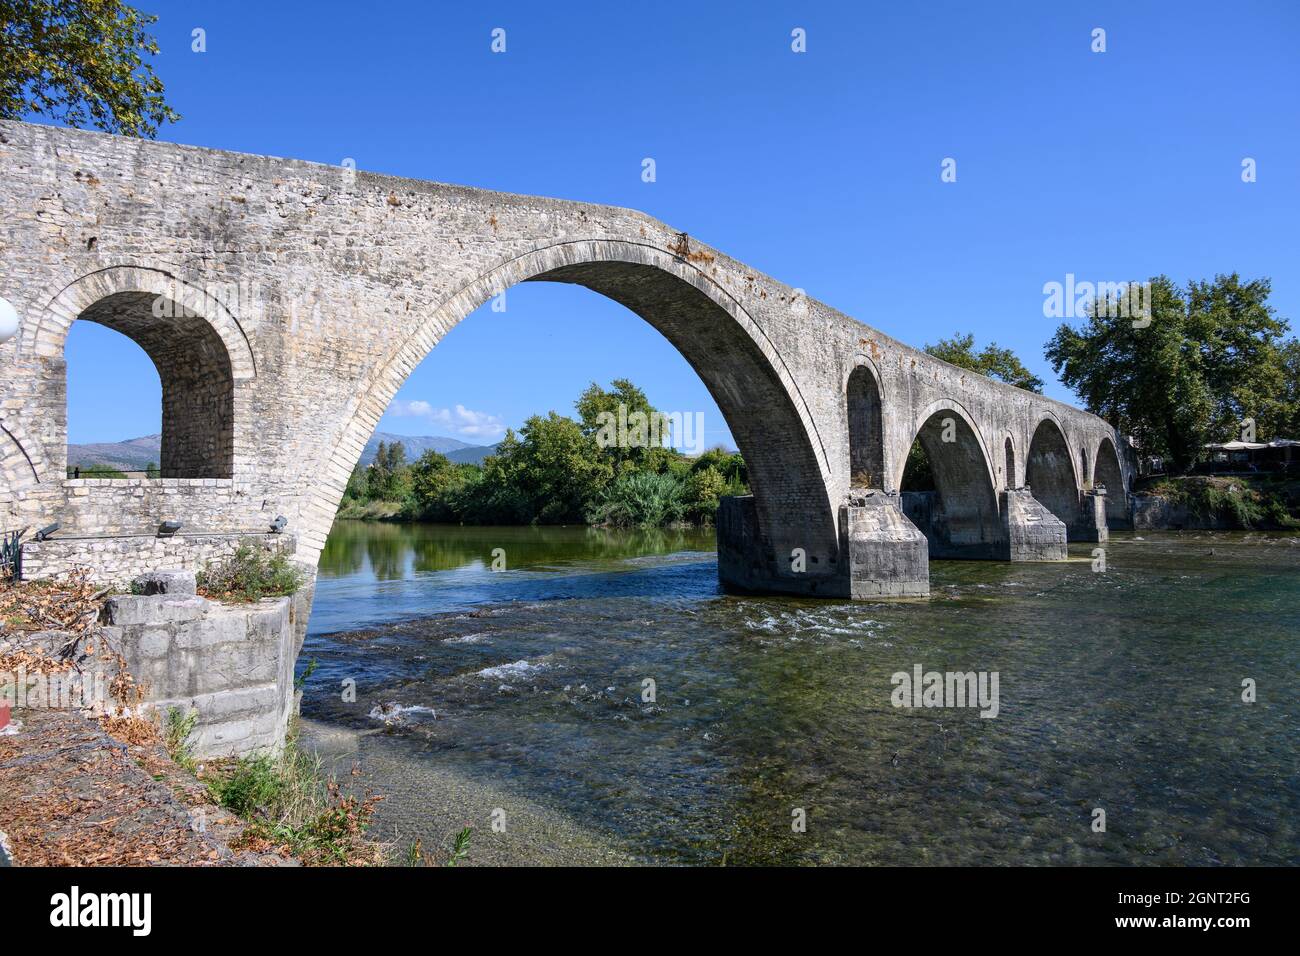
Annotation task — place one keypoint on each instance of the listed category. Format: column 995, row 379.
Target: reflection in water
column 396, row 550
column 380, row 571
column 526, row 690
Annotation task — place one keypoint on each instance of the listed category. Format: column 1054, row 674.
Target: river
column 600, row 700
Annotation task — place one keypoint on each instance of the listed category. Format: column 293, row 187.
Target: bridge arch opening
column 1050, row 474
column 196, row 381
column 789, row 506
column 948, row 489
column 1109, row 474
column 114, row 401
column 1009, row 466
column 866, row 430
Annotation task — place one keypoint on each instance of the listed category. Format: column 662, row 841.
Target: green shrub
column 289, row 801
column 703, row 489
column 177, row 728
column 1245, row 502
column 250, row 574
column 253, row 783
column 641, row 500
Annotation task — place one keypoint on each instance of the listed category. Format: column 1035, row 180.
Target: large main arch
column 743, row 371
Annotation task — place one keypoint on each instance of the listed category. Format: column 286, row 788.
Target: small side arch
column 1107, row 472
column 46, row 335
column 864, row 409
column 1050, row 471
column 204, row 360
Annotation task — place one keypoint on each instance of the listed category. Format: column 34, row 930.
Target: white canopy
column 1237, row 445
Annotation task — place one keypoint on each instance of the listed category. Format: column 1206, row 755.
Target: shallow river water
column 520, row 698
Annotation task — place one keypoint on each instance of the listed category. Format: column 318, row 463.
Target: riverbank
column 434, row 803
column 72, row 793
column 397, row 512
column 1269, row 502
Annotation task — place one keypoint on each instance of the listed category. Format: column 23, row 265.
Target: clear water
column 523, row 691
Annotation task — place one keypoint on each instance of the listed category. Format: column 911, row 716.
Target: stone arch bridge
column 284, row 303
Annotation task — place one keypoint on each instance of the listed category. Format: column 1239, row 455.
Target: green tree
column 704, row 488
column 1288, row 425
column 1189, row 372
column 437, row 486
column 550, row 473
column 357, row 486
column 995, row 362
column 79, row 62
column 629, row 430
column 388, row 477
column 729, row 464
column 432, row 476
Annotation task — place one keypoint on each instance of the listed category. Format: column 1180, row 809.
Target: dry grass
column 71, row 606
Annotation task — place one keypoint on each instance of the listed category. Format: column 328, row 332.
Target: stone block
column 888, row 556
column 125, row 610
column 167, row 582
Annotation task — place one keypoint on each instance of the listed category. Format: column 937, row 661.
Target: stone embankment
column 231, row 664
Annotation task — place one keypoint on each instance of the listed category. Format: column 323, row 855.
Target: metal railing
column 11, row 554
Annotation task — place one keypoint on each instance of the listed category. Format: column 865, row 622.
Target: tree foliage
column 995, row 362
column 387, row 478
column 1208, row 357
column 549, row 473
column 81, row 62
column 602, row 411
column 555, row 471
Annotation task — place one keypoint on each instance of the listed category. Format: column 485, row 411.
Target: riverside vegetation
column 555, row 470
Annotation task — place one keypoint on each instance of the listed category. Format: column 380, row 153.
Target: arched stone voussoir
column 918, row 422
column 46, row 335
column 618, row 269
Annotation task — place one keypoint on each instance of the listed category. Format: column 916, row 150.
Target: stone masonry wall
column 325, row 287
column 231, row 664
column 118, row 560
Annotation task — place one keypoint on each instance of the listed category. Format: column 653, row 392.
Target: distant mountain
column 416, row 445
column 137, row 454
column 473, row 455
column 134, row 454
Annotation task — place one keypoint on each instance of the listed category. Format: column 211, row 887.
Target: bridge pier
column 1091, row 524
column 881, row 553
column 888, row 556
column 1031, row 531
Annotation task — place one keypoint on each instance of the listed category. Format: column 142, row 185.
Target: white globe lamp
column 8, row 321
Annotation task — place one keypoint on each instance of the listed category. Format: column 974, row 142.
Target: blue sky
column 820, row 168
